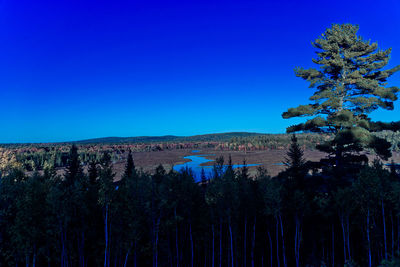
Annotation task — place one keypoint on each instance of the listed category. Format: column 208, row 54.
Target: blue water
column 196, row 161
column 195, row 151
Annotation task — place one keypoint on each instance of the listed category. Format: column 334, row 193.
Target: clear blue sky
column 73, row 70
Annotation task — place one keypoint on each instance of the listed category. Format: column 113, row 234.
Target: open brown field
column 269, row 159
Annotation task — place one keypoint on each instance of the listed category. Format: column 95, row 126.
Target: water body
column 196, row 161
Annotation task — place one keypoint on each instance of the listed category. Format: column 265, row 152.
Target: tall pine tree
column 349, row 84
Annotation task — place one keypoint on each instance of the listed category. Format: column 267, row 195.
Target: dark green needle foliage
column 349, row 84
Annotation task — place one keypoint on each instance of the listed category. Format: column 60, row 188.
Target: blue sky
column 73, row 70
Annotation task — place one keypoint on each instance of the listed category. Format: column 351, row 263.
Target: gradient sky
column 73, row 70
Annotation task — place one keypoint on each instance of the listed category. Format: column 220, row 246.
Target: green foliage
column 390, row 263
column 349, row 84
column 46, row 219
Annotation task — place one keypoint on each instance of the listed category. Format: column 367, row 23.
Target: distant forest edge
column 235, row 139
column 38, row 156
column 173, row 138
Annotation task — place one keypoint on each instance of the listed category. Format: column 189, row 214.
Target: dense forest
column 299, row 217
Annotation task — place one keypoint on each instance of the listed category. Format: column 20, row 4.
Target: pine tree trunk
column 398, row 233
column 344, row 238
column 277, row 241
column 253, row 243
column 270, row 248
column 384, row 228
column 283, row 242
column 106, row 236
column 34, row 257
column 127, row 255
column 220, row 243
column 156, row 243
column 348, row 236
column 109, row 247
column 369, row 243
column 62, row 248
column 333, row 245
column 391, row 219
column 205, row 253
column 81, row 249
column 245, row 239
column 191, row 242
column 176, row 239
column 213, row 241
column 135, row 255
column 297, row 241
column 230, row 233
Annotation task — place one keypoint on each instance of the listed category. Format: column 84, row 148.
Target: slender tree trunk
column 106, row 236
column 253, row 243
column 333, row 245
column 65, row 248
column 344, row 238
column 205, row 253
column 191, row 242
column 230, row 233
column 126, row 258
column 156, row 243
column 297, row 241
column 62, row 248
column 348, row 236
column 384, row 228
column 34, row 257
column 220, row 242
column 271, row 258
column 213, row 241
column 283, row 242
column 245, row 239
column 109, row 246
column 176, row 239
column 277, row 241
column 127, row 255
column 398, row 233
column 369, row 243
column 135, row 255
column 391, row 219
column 81, row 248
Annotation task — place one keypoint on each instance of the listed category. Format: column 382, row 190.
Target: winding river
column 195, row 164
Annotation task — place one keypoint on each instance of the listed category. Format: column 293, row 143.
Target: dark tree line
column 298, row 218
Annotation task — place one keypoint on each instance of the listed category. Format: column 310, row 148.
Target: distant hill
column 217, row 137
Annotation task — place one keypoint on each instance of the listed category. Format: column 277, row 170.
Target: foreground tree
column 350, row 84
column 106, row 196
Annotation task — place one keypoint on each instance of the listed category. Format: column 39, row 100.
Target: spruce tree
column 92, row 172
column 74, row 170
column 296, row 164
column 349, row 84
column 130, row 166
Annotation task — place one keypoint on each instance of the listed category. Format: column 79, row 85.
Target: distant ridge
column 216, row 137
